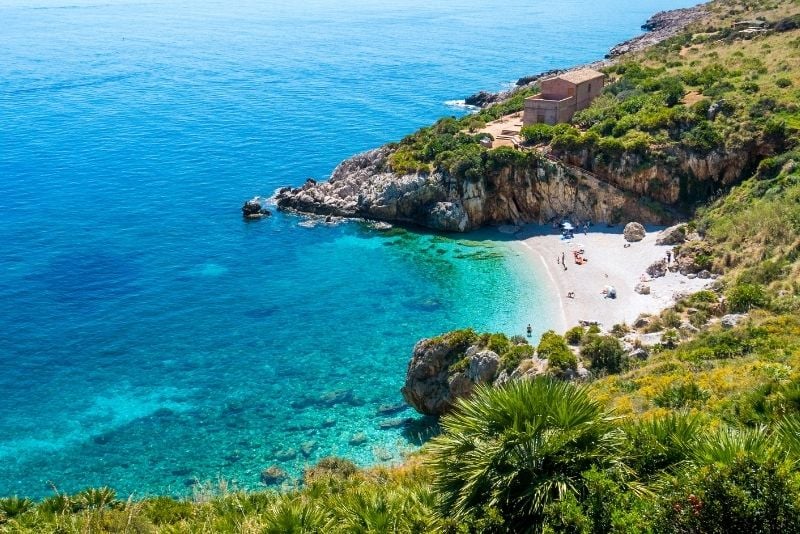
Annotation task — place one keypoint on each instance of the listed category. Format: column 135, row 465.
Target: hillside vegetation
column 702, row 435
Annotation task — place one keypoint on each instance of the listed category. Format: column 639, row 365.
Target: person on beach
column 669, row 256
column 562, row 259
column 530, row 330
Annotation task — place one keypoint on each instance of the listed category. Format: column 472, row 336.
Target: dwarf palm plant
column 663, row 442
column 519, row 448
column 12, row 507
column 789, row 435
column 383, row 507
column 292, row 515
column 97, row 498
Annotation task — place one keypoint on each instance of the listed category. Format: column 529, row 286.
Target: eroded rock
column 634, row 232
column 674, row 235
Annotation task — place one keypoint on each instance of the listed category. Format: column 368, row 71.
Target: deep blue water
column 148, row 336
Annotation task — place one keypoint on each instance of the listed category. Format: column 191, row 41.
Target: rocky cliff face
column 676, row 175
column 365, row 187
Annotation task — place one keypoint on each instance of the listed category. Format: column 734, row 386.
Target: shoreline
column 609, row 263
column 661, row 26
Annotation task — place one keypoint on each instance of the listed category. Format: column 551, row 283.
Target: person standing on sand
column 562, row 261
column 669, row 256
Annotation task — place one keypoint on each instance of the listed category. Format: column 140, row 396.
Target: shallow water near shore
column 150, row 337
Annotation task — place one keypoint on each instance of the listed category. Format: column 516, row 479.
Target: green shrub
column 750, row 87
column 166, row 510
column 610, row 146
column 605, row 353
column 537, row 133
column 745, row 495
column 671, row 319
column 574, row 335
column 498, row 343
column 702, row 297
column 744, row 297
column 555, row 350
column 670, row 338
column 513, row 356
column 565, row 516
column 702, row 138
column 783, row 83
column 460, row 340
column 681, row 395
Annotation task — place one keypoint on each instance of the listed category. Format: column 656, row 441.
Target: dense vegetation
column 702, row 434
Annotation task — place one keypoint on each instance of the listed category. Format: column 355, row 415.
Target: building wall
column 587, row 91
column 557, row 89
column 548, row 111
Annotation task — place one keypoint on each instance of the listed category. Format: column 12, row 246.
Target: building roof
column 581, row 75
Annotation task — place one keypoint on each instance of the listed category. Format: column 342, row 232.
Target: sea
column 152, row 340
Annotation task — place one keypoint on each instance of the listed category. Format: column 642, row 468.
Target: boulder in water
column 254, row 209
column 273, row 475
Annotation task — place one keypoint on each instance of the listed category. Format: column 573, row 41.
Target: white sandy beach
column 609, row 263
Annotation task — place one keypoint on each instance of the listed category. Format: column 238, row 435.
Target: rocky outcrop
column 674, row 235
column 449, row 367
column 255, row 209
column 660, row 27
column 364, row 186
column 427, row 385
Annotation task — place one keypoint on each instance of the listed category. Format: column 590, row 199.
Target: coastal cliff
column 649, row 149
column 538, row 190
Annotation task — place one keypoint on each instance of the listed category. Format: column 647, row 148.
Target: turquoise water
column 150, row 338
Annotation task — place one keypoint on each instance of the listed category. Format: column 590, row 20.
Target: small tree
column 555, row 350
column 604, row 353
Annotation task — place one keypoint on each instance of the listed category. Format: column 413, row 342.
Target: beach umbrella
column 566, row 225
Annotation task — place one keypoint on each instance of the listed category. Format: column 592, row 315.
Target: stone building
column 562, row 96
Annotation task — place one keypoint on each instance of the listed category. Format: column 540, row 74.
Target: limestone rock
column 658, row 269
column 674, row 235
column 307, row 447
column 483, row 366
column 366, row 186
column 357, row 439
column 639, row 354
column 642, row 288
column 273, row 475
column 731, row 320
column 642, row 321
column 459, row 386
column 634, row 232
column 704, row 274
column 428, row 382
